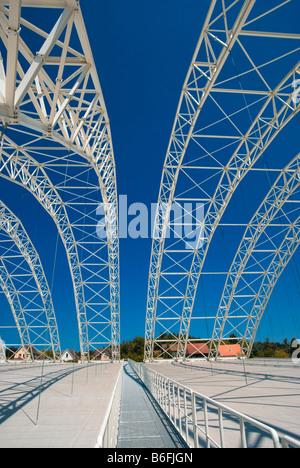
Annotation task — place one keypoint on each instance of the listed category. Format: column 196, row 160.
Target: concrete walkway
column 58, row 406
column 142, row 423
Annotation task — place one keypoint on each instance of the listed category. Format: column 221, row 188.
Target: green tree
column 133, row 349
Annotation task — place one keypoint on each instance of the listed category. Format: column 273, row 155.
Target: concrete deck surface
column 265, row 389
column 67, row 413
column 68, row 409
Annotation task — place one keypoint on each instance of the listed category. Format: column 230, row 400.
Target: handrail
column 288, row 442
column 108, row 434
column 189, row 412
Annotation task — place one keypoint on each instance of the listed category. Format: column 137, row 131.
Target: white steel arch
column 52, row 100
column 12, row 295
column 18, row 166
column 212, row 147
column 267, row 246
column 2, row 351
column 25, row 286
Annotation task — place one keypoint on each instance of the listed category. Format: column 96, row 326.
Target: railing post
column 222, row 438
column 206, row 423
column 285, row 444
column 179, row 410
column 243, row 433
column 173, row 400
column 186, row 416
column 194, row 414
column 160, row 389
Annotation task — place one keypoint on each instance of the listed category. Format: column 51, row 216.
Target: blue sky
column 142, row 50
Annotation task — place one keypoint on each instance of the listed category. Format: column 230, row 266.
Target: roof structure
column 56, row 144
column 239, row 97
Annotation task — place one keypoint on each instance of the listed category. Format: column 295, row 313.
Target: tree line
column 270, row 349
column 134, row 349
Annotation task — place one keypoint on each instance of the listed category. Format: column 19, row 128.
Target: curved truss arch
column 77, row 229
column 53, row 99
column 206, row 161
column 19, row 167
column 12, row 296
column 268, row 245
column 25, row 286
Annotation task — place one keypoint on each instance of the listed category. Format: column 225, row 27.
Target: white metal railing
column 289, row 442
column 109, row 431
column 204, row 422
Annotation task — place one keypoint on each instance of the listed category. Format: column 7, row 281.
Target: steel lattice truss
column 268, row 244
column 2, row 351
column 56, row 143
column 25, row 286
column 233, row 105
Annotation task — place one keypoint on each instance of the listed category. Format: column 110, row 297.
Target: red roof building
column 230, row 350
column 197, row 350
column 201, row 350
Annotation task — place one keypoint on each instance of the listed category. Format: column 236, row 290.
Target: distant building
column 68, row 356
column 102, row 354
column 201, row 350
column 193, row 350
column 197, row 350
column 27, row 353
column 230, row 350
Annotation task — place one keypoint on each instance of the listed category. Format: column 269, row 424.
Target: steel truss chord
column 26, row 288
column 211, row 150
column 52, row 103
column 18, row 166
column 12, row 296
column 264, row 252
column 2, row 351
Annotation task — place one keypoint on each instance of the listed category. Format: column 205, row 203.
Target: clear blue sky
column 142, row 50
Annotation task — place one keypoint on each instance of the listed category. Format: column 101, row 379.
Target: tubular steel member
column 2, row 351
column 267, row 246
column 54, row 116
column 23, row 281
column 211, row 150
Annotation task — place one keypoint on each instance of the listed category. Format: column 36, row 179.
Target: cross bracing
column 25, row 286
column 234, row 104
column 267, row 246
column 56, row 143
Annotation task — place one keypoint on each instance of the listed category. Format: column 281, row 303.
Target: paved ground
column 68, row 408
column 67, row 411
column 267, row 390
column 142, row 424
